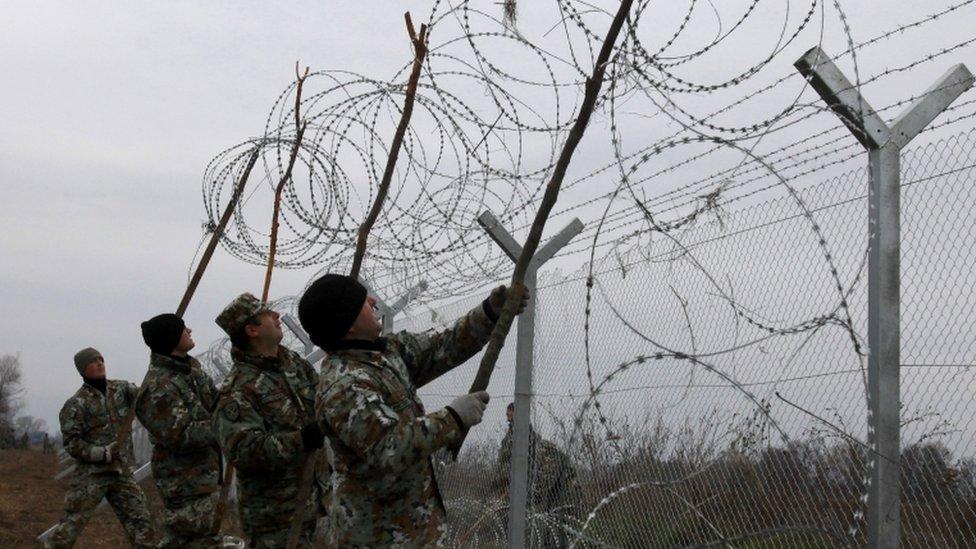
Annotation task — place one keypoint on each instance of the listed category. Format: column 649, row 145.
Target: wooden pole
column 592, row 91
column 299, row 132
column 217, row 234
column 420, row 51
column 125, row 428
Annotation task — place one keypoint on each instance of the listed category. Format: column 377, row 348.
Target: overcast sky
column 110, row 112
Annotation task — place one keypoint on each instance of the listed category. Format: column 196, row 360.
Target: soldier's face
column 367, row 325
column 186, row 342
column 95, row 369
column 268, row 327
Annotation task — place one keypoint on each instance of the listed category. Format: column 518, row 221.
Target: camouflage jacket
column 552, row 477
column 383, row 487
column 175, row 407
column 90, row 419
column 261, row 408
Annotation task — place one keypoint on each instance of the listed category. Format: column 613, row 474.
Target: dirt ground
column 31, row 501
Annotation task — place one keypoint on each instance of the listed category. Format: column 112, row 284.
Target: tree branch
column 217, row 233
column 420, row 51
column 300, row 131
column 592, row 91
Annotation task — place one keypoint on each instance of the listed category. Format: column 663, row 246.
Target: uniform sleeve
column 131, row 392
column 430, row 355
column 247, row 444
column 310, row 374
column 205, row 388
column 163, row 413
column 72, row 430
column 359, row 416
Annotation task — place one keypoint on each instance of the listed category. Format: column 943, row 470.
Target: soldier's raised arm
column 431, row 354
column 370, row 426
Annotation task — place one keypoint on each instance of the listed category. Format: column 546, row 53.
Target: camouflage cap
column 243, row 307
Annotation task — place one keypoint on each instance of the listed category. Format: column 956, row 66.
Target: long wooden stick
column 217, row 234
column 125, row 429
column 593, row 85
column 299, row 132
column 420, row 51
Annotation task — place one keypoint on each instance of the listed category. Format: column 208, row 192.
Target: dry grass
column 31, row 501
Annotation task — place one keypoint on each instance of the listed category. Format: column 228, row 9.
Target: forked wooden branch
column 419, row 41
column 593, row 85
column 299, row 132
column 420, row 51
column 217, row 234
column 125, row 428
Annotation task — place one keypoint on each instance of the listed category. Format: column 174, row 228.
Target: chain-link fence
column 708, row 387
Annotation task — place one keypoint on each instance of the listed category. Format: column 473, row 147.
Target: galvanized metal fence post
column 884, row 144
column 518, row 491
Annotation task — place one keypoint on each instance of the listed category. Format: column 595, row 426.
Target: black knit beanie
column 330, row 307
column 162, row 332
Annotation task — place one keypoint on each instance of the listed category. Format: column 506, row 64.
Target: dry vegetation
column 697, row 483
column 32, row 501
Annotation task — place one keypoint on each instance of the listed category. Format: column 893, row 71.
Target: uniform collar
column 99, row 385
column 378, row 345
column 263, row 362
column 177, row 363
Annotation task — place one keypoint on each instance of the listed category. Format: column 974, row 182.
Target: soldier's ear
column 250, row 330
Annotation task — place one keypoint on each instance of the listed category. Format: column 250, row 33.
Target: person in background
column 90, row 422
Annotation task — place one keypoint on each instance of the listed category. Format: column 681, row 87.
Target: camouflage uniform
column 383, row 487
column 552, row 487
column 262, row 406
column 552, row 477
column 89, row 421
column 175, row 408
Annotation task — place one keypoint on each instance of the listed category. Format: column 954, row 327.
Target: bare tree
column 30, row 425
column 11, row 389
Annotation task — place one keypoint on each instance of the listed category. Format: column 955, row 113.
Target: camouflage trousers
column 122, row 493
column 190, row 522
column 279, row 538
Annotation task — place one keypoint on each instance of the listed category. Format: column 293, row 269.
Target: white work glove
column 470, row 408
column 103, row 454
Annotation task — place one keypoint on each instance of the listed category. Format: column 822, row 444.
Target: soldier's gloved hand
column 103, row 454
column 112, row 452
column 496, row 300
column 313, row 437
column 470, row 408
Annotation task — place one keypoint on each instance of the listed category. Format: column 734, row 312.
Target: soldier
column 90, row 424
column 175, row 407
column 47, row 448
column 381, row 439
column 266, row 425
column 552, row 479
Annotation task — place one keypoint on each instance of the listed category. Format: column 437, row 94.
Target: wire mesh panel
column 691, row 389
column 709, row 387
column 938, row 350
